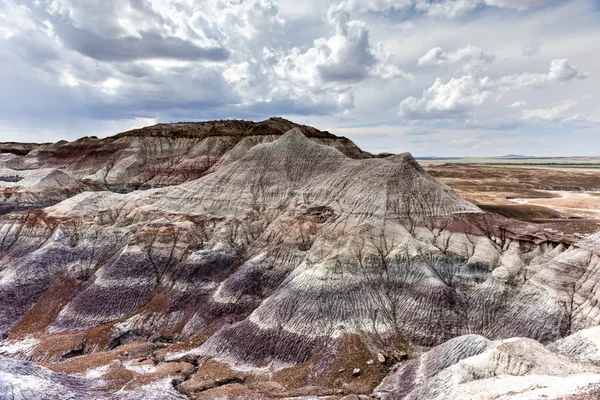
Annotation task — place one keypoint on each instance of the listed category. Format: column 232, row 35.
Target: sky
column 432, row 77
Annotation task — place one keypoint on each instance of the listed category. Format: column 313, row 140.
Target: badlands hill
column 236, row 259
column 155, row 156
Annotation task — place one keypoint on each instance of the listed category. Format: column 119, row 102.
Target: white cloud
column 136, row 24
column 451, row 9
column 110, row 86
column 333, row 65
column 561, row 70
column 518, row 104
column 378, row 5
column 549, row 113
column 347, row 56
column 584, row 120
column 457, row 98
column 469, row 54
column 237, row 74
column 435, row 56
column 67, row 79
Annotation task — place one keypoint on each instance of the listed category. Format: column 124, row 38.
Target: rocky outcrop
column 476, row 368
column 583, row 345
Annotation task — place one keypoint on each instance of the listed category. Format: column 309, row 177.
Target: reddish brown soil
column 81, row 364
column 210, row 375
column 43, row 313
column 57, row 347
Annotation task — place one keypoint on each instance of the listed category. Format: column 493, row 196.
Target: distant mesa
column 514, row 156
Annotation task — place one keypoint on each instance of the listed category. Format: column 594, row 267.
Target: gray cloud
column 149, row 46
column 531, row 49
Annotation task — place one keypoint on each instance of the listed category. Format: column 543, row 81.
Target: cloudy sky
column 433, row 77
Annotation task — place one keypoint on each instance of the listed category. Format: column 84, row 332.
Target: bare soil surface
column 566, row 196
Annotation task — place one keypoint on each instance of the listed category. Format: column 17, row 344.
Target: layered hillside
column 291, row 264
column 155, row 156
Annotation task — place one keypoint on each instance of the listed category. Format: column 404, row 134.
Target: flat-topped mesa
column 270, row 127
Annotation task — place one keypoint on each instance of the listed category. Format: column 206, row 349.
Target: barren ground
column 236, row 270
column 537, row 193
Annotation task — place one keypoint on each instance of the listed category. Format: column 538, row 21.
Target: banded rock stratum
column 269, row 260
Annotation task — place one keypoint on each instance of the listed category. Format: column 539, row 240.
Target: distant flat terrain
column 517, row 161
column 533, row 189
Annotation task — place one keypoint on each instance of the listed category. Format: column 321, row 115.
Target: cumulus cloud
column 560, row 71
column 469, row 53
column 347, row 56
column 518, row 104
column 111, row 30
column 333, row 65
column 149, row 57
column 549, row 113
column 457, row 98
